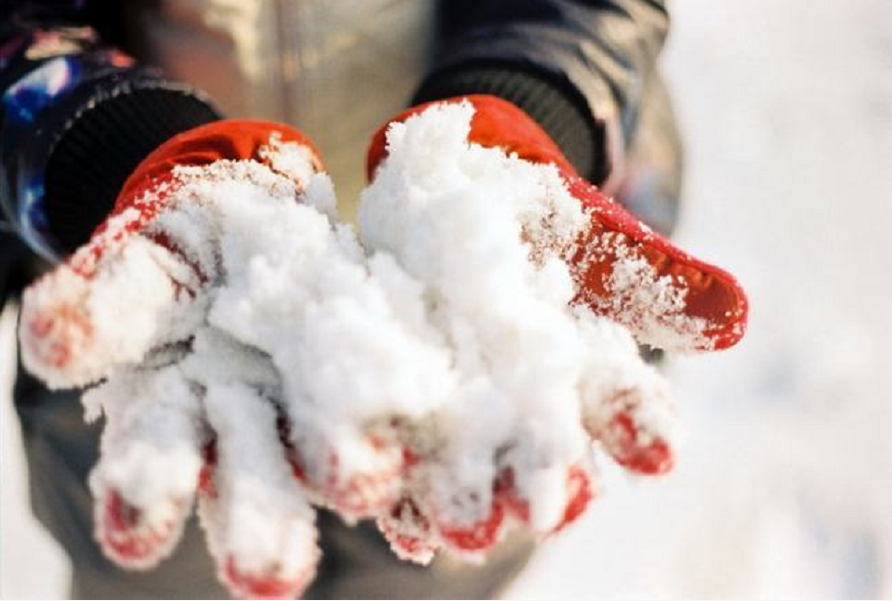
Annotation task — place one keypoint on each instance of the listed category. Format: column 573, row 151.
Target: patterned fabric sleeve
column 76, row 116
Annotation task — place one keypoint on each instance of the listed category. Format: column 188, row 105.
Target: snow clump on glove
column 433, row 373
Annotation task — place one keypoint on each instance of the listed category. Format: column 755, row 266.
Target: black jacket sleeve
column 76, row 117
column 576, row 66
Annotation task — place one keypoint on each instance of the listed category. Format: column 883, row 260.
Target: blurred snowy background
column 784, row 486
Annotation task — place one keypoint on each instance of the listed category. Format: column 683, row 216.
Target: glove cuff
column 580, row 138
column 228, row 139
column 497, row 123
column 103, row 144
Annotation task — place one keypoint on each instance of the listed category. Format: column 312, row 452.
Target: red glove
column 624, row 270
column 130, row 306
column 194, row 402
column 59, row 331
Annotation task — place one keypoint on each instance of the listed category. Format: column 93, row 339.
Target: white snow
column 150, row 448
column 123, row 336
column 445, row 328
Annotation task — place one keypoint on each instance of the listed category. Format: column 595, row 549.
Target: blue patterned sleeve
column 76, row 116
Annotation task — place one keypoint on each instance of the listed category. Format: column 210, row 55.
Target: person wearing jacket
column 90, row 88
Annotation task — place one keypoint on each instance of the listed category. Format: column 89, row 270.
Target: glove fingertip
column 133, row 537
column 665, row 296
column 475, row 538
column 650, row 455
column 409, row 532
column 734, row 318
column 272, row 584
column 355, row 489
column 580, row 492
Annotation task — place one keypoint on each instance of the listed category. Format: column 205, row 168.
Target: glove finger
column 356, row 472
column 548, row 500
column 626, row 404
column 461, row 502
column 545, row 479
column 668, row 298
column 144, row 483
column 73, row 327
column 636, row 428
column 409, row 531
column 259, row 524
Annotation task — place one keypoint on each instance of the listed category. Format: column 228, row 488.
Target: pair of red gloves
column 623, row 271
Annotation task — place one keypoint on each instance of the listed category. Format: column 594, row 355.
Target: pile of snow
column 445, row 329
column 465, row 221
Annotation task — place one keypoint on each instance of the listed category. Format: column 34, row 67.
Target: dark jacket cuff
column 104, row 143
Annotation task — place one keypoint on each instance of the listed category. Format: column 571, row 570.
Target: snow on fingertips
column 409, row 534
column 626, row 404
column 72, row 326
column 350, row 470
column 152, row 435
column 260, row 525
column 144, row 483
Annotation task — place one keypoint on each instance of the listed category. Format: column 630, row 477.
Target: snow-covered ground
column 784, row 486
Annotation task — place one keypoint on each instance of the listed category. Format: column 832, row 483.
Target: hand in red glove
column 250, row 350
column 339, row 396
column 623, row 269
column 623, row 272
column 188, row 406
